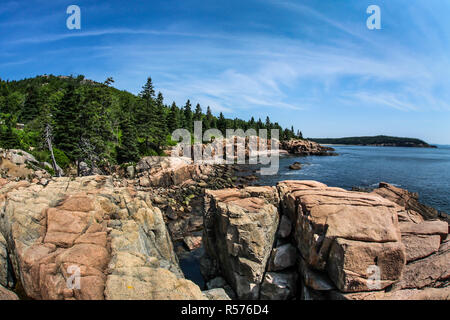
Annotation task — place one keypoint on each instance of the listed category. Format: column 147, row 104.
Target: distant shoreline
column 377, row 145
column 375, row 141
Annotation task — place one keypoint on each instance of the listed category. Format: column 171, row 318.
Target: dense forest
column 375, row 140
column 68, row 120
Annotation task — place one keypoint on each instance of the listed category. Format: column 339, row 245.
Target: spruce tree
column 68, row 129
column 187, row 119
column 222, row 124
column 198, row 115
column 146, row 114
column 160, row 133
column 128, row 150
column 173, row 122
column 32, row 105
column 209, row 119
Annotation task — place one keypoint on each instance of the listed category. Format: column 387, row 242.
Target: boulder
column 285, row 227
column 240, row 227
column 315, row 280
column 131, row 171
column 219, row 282
column 158, row 171
column 351, row 264
column 295, row 166
column 279, row 286
column 283, row 257
column 192, row 242
column 343, row 233
column 216, row 294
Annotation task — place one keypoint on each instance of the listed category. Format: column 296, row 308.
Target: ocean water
column 426, row 171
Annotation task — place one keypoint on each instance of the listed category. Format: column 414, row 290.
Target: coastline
column 185, row 204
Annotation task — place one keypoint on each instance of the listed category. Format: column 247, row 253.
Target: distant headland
column 383, row 141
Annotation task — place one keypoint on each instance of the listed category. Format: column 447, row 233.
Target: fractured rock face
column 344, row 233
column 415, row 211
column 420, row 246
column 85, row 239
column 306, row 147
column 240, row 227
column 352, row 263
column 3, row 262
column 157, row 171
column 6, row 294
column 433, row 270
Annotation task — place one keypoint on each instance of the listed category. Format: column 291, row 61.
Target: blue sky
column 307, row 63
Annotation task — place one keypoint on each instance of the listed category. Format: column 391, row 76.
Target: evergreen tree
column 222, row 124
column 32, row 104
column 148, row 91
column 173, row 122
column 187, row 119
column 68, row 129
column 252, row 124
column 198, row 115
column 259, row 124
column 128, row 150
column 209, row 119
column 146, row 115
column 160, row 134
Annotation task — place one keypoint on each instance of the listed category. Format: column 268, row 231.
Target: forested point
column 375, row 140
column 73, row 119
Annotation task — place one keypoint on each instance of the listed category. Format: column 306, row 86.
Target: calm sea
column 426, row 171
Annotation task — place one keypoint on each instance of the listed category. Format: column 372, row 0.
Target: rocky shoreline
column 302, row 240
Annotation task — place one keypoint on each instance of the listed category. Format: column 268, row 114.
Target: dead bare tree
column 48, row 139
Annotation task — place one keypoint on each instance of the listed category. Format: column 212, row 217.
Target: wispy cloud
column 112, row 31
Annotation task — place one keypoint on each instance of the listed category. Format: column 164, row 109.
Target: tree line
column 69, row 120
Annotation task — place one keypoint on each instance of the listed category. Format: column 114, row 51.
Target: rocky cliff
column 110, row 243
column 324, row 243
